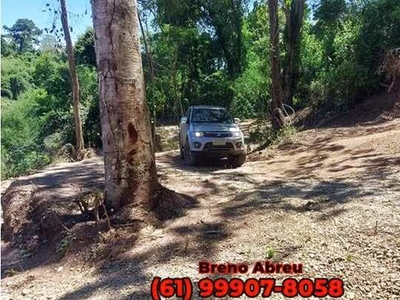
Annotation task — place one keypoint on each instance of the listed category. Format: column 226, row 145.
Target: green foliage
column 15, row 77
column 251, row 89
column 285, row 135
column 24, row 34
column 197, row 52
column 270, row 253
column 226, row 18
column 7, row 48
column 65, row 244
column 37, row 116
column 379, row 31
column 90, row 110
column 84, row 49
column 20, row 149
column 342, row 52
column 261, row 132
column 329, row 12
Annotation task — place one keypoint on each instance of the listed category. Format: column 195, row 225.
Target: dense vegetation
column 37, row 118
column 208, row 52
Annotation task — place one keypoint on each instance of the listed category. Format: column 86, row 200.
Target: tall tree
column 294, row 21
column 130, row 169
column 84, row 48
column 276, row 86
column 24, row 34
column 226, row 17
column 74, row 80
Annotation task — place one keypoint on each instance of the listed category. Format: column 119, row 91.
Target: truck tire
column 190, row 157
column 181, row 155
column 237, row 160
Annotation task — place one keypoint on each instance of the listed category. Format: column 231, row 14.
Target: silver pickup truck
column 210, row 131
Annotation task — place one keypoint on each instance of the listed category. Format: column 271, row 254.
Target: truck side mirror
column 184, row 120
column 236, row 120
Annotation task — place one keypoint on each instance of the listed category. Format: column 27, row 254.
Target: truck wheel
column 237, row 160
column 181, row 155
column 190, row 157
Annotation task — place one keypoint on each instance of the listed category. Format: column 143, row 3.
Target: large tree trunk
column 294, row 21
column 130, row 169
column 74, row 80
column 276, row 86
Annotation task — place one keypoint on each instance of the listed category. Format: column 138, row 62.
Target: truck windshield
column 211, row 115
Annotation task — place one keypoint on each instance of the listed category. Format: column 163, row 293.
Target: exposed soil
column 375, row 109
column 329, row 198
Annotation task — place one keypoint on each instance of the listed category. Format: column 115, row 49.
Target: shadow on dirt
column 320, row 197
column 327, row 156
column 205, row 165
column 38, row 211
column 197, row 241
column 43, row 222
column 369, row 166
column 201, row 241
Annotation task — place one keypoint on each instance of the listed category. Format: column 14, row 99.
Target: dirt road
column 329, row 199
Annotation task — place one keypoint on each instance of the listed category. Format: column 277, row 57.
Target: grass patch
column 270, row 253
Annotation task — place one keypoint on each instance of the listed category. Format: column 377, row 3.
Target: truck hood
column 207, row 127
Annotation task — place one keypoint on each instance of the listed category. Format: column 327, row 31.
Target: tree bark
column 130, row 169
column 74, row 80
column 276, row 85
column 294, row 21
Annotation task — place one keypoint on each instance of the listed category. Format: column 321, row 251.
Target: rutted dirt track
column 329, row 199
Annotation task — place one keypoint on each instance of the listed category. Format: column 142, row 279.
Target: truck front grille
column 218, row 134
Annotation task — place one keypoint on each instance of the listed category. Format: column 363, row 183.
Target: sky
column 11, row 10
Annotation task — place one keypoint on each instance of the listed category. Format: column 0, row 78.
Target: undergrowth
column 262, row 133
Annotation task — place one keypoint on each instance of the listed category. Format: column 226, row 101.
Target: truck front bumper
column 218, row 148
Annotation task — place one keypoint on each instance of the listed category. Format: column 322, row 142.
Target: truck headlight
column 198, row 134
column 236, row 133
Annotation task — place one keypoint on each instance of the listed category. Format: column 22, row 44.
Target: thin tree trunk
column 294, row 21
column 276, row 86
column 74, row 80
column 130, row 169
column 178, row 109
column 147, row 48
column 151, row 68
